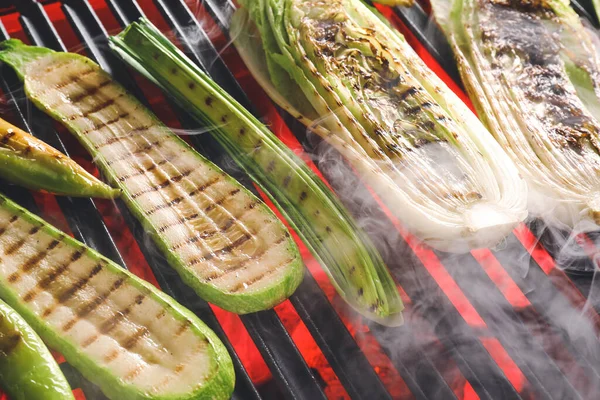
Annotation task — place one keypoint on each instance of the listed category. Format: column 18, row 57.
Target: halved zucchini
column 120, row 332
column 224, row 242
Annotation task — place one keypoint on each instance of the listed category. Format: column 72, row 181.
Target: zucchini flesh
column 27, row 369
column 120, row 332
column 348, row 257
column 224, row 242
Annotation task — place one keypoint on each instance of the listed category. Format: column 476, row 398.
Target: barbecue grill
column 518, row 321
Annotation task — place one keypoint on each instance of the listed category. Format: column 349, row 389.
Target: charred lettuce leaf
column 344, row 72
column 532, row 71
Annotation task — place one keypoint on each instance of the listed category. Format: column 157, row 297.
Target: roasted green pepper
column 29, row 162
column 27, row 369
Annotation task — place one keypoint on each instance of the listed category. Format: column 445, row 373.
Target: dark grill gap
column 421, row 370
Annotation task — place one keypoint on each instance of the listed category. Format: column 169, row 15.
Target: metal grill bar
column 539, row 368
column 585, row 8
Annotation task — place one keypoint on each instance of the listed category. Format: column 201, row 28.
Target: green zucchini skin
column 27, row 369
column 21, row 57
column 29, row 162
column 60, row 279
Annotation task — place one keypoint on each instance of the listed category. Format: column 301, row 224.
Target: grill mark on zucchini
column 242, row 265
column 143, row 149
column 55, row 67
column 185, row 325
column 10, row 222
column 142, row 171
column 188, row 196
column 101, row 106
column 132, row 340
column 247, row 284
column 6, row 137
column 32, row 261
column 113, row 140
column 180, row 221
column 112, row 322
column 227, row 249
column 228, row 224
column 108, row 325
column 222, row 200
column 131, row 375
column 72, row 79
column 180, row 367
column 15, row 246
column 89, row 92
column 112, row 356
column 168, row 182
column 92, row 305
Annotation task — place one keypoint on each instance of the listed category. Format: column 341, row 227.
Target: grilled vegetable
column 532, row 72
column 357, row 83
column 224, row 242
column 352, row 263
column 27, row 369
column 120, row 332
column 596, row 4
column 29, row 162
column 402, row 3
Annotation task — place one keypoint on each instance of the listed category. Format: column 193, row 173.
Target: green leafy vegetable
column 356, row 82
column 532, row 72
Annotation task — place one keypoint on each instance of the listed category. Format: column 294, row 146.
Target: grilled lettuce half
column 531, row 70
column 344, row 72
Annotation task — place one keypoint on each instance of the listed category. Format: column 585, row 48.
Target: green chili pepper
column 27, row 369
column 29, row 162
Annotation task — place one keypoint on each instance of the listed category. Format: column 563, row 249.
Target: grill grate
column 453, row 334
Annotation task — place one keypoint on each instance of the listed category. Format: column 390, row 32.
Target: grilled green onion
column 223, row 241
column 357, row 83
column 120, row 332
column 31, row 163
column 349, row 258
column 533, row 73
column 27, row 369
